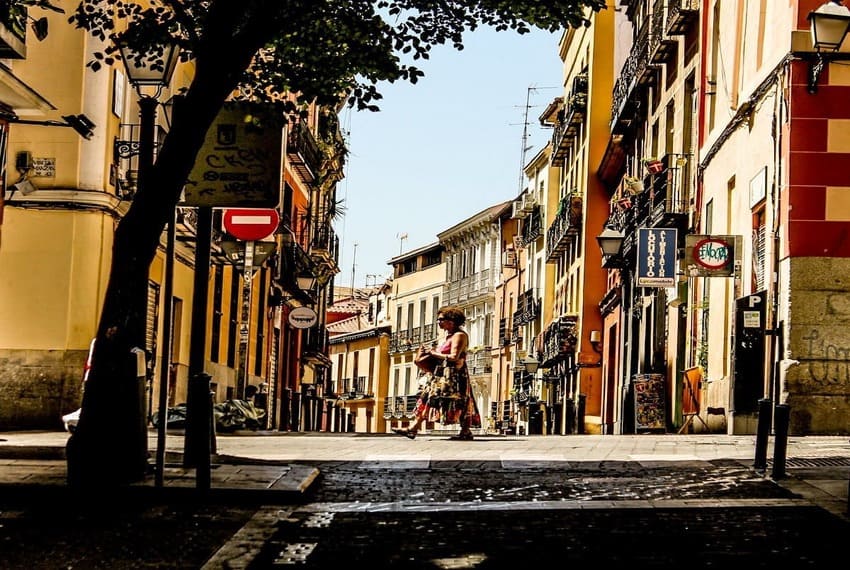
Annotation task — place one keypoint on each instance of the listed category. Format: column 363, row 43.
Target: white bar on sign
column 251, row 220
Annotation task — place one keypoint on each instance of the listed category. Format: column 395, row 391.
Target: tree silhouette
column 290, row 52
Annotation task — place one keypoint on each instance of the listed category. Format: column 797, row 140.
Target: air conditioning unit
column 509, row 258
column 528, row 203
column 516, row 211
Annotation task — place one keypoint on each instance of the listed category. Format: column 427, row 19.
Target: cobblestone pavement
column 456, row 514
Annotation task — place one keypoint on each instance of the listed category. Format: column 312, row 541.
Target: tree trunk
column 109, row 446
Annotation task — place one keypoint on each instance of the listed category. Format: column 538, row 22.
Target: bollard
column 782, row 417
column 580, row 414
column 762, row 433
column 571, row 416
column 198, row 422
column 213, row 442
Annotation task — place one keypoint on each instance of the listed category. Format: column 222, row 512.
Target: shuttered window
column 759, row 239
column 150, row 323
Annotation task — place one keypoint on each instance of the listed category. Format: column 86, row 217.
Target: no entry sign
column 250, row 224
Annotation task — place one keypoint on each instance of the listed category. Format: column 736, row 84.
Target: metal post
column 196, row 445
column 580, row 414
column 198, row 423
column 762, row 433
column 245, row 324
column 147, row 125
column 165, row 364
column 782, row 415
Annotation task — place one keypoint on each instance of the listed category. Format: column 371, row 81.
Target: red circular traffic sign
column 250, row 224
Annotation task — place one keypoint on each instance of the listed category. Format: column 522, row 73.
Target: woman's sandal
column 462, row 437
column 405, row 432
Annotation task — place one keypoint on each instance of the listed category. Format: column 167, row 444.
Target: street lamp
column 610, row 242
column 829, row 26
column 530, row 365
column 152, row 72
column 306, row 282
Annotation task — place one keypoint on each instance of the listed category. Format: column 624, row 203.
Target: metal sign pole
column 242, row 365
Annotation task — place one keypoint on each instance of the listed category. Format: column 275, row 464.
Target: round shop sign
column 302, row 317
column 713, row 253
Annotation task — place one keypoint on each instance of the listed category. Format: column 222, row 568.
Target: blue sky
column 443, row 149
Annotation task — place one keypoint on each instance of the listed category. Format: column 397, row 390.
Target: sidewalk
column 35, row 462
column 280, row 467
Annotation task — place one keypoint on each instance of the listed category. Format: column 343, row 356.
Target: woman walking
column 447, row 397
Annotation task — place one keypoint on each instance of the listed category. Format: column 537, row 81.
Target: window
column 759, row 238
column 431, row 258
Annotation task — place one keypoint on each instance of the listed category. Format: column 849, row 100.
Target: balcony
column 394, row 407
column 480, row 363
column 668, row 193
column 294, row 261
column 532, row 228
column 680, row 15
column 468, row 288
column 302, row 151
column 638, row 70
column 314, row 347
column 505, row 338
column 572, row 117
column 324, row 246
column 354, row 388
column 565, row 227
column 559, row 339
column 13, row 31
column 661, row 45
column 528, row 308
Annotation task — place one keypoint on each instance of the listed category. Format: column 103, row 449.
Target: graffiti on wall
column 827, row 363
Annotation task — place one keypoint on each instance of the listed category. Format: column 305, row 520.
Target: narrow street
column 387, row 502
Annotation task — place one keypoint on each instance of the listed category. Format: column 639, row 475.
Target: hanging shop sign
column 656, row 257
column 240, row 163
column 302, row 317
column 712, row 256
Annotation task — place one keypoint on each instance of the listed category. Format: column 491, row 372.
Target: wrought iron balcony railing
column 412, row 339
column 528, row 307
column 680, row 15
column 302, row 150
column 504, row 333
column 469, row 287
column 572, row 117
column 394, row 407
column 559, row 339
column 565, row 227
column 637, row 70
column 480, row 362
column 668, row 192
column 661, row 45
column 532, row 226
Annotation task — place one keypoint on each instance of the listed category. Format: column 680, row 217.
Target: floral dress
column 457, row 407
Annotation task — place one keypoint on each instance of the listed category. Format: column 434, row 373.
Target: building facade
column 63, row 200
column 412, row 305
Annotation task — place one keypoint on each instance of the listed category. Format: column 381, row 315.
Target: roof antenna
column 525, row 146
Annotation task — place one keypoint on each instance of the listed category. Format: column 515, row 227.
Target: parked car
column 70, row 420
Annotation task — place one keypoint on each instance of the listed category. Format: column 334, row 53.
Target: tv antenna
column 353, row 265
column 373, row 277
column 525, row 146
